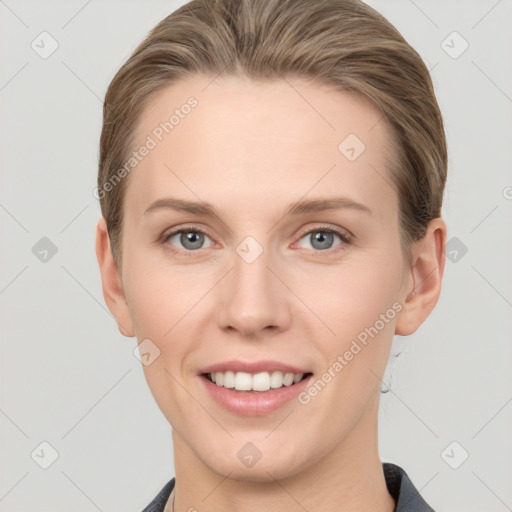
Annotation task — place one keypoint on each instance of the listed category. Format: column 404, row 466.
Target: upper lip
column 252, row 367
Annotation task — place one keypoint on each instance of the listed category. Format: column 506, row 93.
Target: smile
column 261, row 381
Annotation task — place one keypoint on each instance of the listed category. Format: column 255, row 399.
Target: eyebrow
column 299, row 208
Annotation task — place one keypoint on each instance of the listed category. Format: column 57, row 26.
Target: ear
column 423, row 285
column 111, row 281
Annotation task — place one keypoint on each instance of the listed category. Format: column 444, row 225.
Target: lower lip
column 254, row 403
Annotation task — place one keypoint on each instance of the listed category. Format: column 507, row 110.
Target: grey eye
column 320, row 239
column 189, row 239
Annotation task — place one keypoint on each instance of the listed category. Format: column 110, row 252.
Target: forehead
column 233, row 137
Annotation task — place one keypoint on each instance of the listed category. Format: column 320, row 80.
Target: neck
column 348, row 478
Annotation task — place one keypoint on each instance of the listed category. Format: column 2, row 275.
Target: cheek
column 164, row 303
column 162, row 295
column 353, row 296
column 360, row 305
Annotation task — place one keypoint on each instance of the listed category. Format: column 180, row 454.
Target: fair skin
column 251, row 150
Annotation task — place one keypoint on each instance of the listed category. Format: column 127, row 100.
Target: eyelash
column 344, row 237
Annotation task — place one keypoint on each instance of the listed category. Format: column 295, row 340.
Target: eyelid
column 344, row 234
column 185, row 227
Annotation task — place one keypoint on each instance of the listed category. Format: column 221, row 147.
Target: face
column 291, row 260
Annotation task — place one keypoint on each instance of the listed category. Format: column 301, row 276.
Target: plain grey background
column 69, row 380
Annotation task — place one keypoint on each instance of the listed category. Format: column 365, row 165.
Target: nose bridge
column 253, row 298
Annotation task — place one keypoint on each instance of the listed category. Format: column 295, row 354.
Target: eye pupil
column 192, row 239
column 322, row 237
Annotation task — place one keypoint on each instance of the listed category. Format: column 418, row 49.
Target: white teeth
column 288, row 379
column 243, row 381
column 276, row 380
column 262, row 381
column 229, row 380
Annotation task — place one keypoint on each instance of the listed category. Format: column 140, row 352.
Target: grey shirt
column 399, row 485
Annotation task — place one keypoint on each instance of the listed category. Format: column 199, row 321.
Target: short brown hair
column 343, row 43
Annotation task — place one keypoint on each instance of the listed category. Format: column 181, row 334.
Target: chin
column 261, row 471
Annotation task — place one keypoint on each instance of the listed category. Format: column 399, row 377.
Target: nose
column 253, row 299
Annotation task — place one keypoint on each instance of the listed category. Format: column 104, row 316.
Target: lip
column 254, row 403
column 252, row 367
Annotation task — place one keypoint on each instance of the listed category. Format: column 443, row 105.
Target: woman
column 271, row 178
